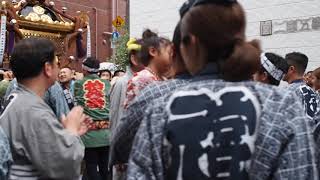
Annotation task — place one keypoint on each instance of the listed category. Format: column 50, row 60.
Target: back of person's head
column 277, row 70
column 133, row 47
column 219, row 27
column 176, row 39
column 208, row 23
column 29, row 57
column 186, row 7
column 243, row 63
column 151, row 40
column 299, row 61
column 178, row 66
column 91, row 65
column 148, row 33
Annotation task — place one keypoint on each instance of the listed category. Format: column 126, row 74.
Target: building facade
column 282, row 25
column 101, row 13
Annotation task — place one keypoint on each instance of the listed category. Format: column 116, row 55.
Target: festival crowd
column 206, row 104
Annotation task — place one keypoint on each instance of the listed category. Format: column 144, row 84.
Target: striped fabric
column 23, row 172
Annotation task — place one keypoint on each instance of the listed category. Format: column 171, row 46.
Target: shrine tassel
column 2, row 37
column 11, row 39
column 88, row 41
column 80, row 51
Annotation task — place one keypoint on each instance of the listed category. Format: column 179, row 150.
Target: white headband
column 270, row 68
column 89, row 69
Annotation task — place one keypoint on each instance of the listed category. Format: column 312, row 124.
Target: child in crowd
column 155, row 55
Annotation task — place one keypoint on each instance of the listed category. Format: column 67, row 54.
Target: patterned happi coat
column 212, row 129
column 139, row 81
column 307, row 96
column 92, row 94
column 124, row 134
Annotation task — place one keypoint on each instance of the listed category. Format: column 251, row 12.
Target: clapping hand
column 76, row 121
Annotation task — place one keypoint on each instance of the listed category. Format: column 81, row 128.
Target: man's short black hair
column 105, row 70
column 298, row 60
column 117, row 72
column 30, row 55
column 92, row 62
column 66, row 67
column 309, row 72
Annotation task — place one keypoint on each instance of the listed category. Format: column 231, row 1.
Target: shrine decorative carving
column 38, row 18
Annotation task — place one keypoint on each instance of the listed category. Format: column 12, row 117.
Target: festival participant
column 116, row 76
column 123, row 137
column 119, row 73
column 272, row 69
column 307, row 78
column 105, row 74
column 155, row 56
column 118, row 92
column 118, row 95
column 6, row 157
column 213, row 129
column 92, row 94
column 54, row 97
column 4, row 83
column 298, row 63
column 67, row 84
column 315, row 79
column 42, row 148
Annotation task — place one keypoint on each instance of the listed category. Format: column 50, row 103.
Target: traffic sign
column 115, row 36
column 118, row 22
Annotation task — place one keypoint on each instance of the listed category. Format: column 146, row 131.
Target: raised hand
column 75, row 121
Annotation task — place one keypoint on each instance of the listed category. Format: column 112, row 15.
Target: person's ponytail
column 243, row 62
column 148, row 34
